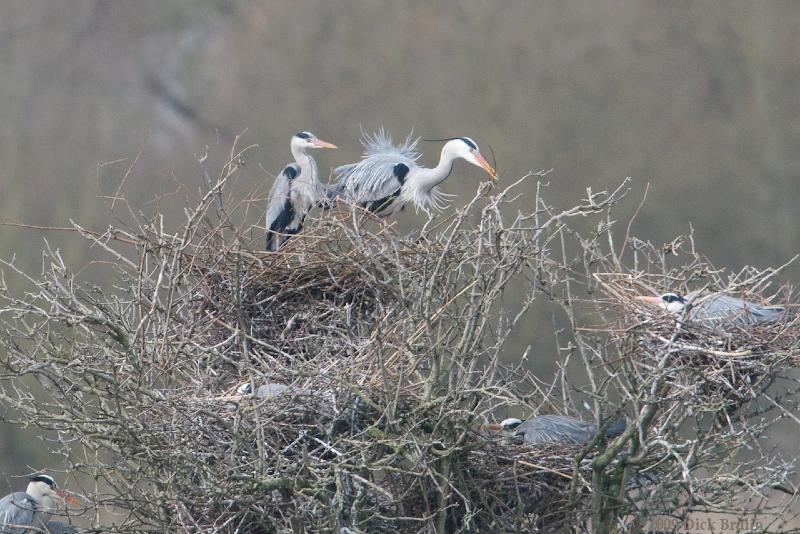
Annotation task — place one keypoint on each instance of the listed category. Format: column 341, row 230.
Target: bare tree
column 382, row 355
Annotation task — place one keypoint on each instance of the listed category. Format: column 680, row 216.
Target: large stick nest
column 717, row 366
column 383, row 357
column 355, row 439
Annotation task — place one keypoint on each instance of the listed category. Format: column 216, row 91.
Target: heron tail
column 616, row 428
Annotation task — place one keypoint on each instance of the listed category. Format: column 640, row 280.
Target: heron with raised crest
column 388, row 176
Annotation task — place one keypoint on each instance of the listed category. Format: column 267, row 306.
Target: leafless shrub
column 390, row 350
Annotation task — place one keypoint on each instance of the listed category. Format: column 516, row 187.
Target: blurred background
column 697, row 99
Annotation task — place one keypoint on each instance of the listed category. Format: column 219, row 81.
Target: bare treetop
column 374, row 360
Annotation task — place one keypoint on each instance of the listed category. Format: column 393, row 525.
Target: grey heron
column 32, row 507
column 388, row 176
column 295, row 191
column 557, row 428
column 715, row 309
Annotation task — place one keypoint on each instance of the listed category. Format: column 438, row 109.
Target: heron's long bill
column 493, row 426
column 67, row 498
column 485, row 164
column 656, row 301
column 319, row 143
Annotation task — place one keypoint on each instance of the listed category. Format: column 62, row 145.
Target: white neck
column 426, row 179
column 39, row 492
column 308, row 167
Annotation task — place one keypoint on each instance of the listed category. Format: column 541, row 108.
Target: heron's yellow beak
column 67, row 498
column 650, row 300
column 485, row 165
column 493, row 426
column 319, row 143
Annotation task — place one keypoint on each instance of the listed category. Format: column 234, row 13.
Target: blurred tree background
column 697, row 99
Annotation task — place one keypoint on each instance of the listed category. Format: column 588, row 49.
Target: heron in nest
column 715, row 309
column 296, row 190
column 557, row 429
column 22, row 511
column 388, row 176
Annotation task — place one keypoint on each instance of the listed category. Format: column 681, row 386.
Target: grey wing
column 720, row 308
column 556, row 428
column 279, row 207
column 280, row 193
column 16, row 509
column 333, row 190
column 272, row 390
column 373, row 177
column 345, row 169
column 616, row 428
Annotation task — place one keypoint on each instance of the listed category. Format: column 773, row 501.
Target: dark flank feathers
column 290, row 171
column 278, row 227
column 400, row 171
column 382, row 203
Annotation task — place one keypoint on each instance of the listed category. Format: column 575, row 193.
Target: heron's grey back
column 272, row 390
column 278, row 195
column 15, row 509
column 373, row 177
column 616, row 428
column 556, row 428
column 719, row 309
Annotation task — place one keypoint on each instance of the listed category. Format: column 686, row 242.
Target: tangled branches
column 373, row 360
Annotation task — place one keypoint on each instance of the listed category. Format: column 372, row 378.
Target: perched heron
column 387, row 177
column 32, row 508
column 557, row 428
column 716, row 309
column 295, row 191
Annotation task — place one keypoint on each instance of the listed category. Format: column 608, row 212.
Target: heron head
column 309, row 140
column 672, row 302
column 43, row 490
column 506, row 424
column 466, row 148
column 511, row 423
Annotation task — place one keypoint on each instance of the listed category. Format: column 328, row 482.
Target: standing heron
column 32, row 507
column 557, row 428
column 716, row 310
column 295, row 191
column 388, row 176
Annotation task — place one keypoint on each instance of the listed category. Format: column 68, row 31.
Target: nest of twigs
column 384, row 356
column 719, row 366
column 325, row 456
column 358, row 437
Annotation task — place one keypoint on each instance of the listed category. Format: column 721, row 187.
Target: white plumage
column 296, row 190
column 388, row 176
